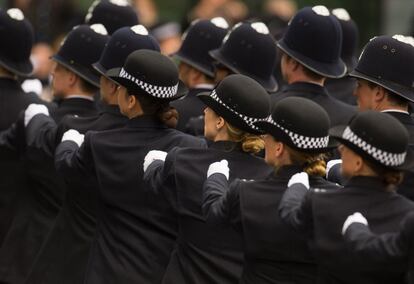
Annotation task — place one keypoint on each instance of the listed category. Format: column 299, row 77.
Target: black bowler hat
column 378, row 137
column 314, row 38
column 300, row 123
column 113, row 14
column 81, row 48
column 249, row 49
column 17, row 41
column 121, row 44
column 389, row 62
column 151, row 72
column 240, row 100
column 350, row 38
column 201, row 37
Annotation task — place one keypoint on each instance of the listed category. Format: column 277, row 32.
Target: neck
column 388, row 107
column 303, row 78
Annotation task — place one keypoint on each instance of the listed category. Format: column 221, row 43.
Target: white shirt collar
column 204, row 86
column 396, row 110
column 79, row 97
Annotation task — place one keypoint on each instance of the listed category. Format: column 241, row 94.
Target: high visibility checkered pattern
column 249, row 120
column 155, row 91
column 301, row 141
column 385, row 158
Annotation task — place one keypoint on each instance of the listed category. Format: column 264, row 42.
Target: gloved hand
column 32, row 110
column 152, row 156
column 221, row 167
column 301, row 178
column 354, row 218
column 73, row 135
column 331, row 164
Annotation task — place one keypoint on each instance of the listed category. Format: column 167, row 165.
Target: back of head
column 17, row 42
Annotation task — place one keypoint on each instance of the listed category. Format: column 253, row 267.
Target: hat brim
column 22, row 69
column 100, row 69
column 201, row 67
column 278, row 134
column 113, row 74
column 270, row 84
column 88, row 74
column 407, row 93
column 330, row 70
column 229, row 116
column 336, row 133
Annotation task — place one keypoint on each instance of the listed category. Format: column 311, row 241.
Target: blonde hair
column 392, row 178
column 250, row 143
column 314, row 164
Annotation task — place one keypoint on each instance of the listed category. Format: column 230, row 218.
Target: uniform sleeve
column 335, row 175
column 41, row 134
column 221, row 201
column 13, row 138
column 160, row 177
column 73, row 162
column 295, row 208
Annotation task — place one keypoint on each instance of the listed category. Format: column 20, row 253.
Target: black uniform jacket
column 13, row 100
column 65, row 252
column 342, row 89
column 391, row 249
column 205, row 253
column 339, row 112
column 322, row 213
column 38, row 207
column 135, row 230
column 274, row 253
column 189, row 107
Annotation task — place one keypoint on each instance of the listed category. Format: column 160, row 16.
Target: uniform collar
column 403, row 117
column 204, row 86
column 365, row 182
column 227, row 146
column 145, row 121
column 306, row 88
column 78, row 97
column 288, row 171
column 396, row 111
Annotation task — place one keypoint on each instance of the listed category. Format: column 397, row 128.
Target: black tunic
column 339, row 113
column 38, row 207
column 189, row 107
column 205, row 253
column 342, row 89
column 75, row 224
column 322, row 213
column 13, row 100
column 274, row 253
column 135, row 230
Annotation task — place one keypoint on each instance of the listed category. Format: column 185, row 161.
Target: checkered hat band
column 248, row 120
column 155, row 91
column 385, row 158
column 301, row 141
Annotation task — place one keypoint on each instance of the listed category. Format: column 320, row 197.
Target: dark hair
column 87, row 87
column 151, row 105
column 309, row 73
column 393, row 98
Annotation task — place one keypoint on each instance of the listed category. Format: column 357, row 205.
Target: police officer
column 343, row 88
column 385, row 83
column 196, row 67
column 113, row 14
column 297, row 135
column 135, row 234
column 311, row 49
column 206, row 253
column 15, row 49
column 75, row 224
column 374, row 151
column 76, row 82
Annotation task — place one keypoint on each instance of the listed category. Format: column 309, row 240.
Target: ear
column 279, row 149
column 132, row 102
column 358, row 164
column 112, row 86
column 380, row 94
column 72, row 78
column 220, row 123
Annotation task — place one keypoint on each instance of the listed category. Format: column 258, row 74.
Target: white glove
column 301, row 178
column 73, row 135
column 354, row 218
column 221, row 167
column 331, row 164
column 32, row 110
column 152, row 156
